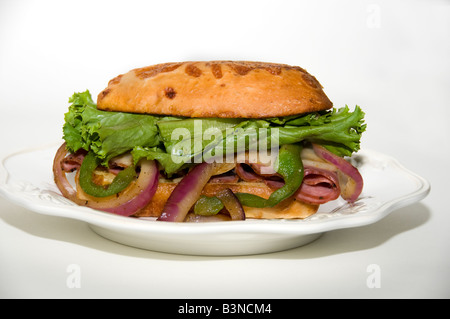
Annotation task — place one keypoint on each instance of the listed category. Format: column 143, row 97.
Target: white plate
column 26, row 178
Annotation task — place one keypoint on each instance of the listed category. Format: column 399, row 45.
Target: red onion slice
column 145, row 188
column 187, row 192
column 350, row 178
column 131, row 199
column 232, row 204
column 60, row 177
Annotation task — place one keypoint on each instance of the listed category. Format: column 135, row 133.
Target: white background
column 390, row 57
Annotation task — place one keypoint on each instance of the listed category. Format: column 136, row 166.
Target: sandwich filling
column 121, row 160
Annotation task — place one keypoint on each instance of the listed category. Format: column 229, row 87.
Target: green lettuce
column 177, row 142
column 107, row 134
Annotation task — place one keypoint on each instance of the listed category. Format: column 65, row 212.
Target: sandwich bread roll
column 218, row 89
column 222, row 89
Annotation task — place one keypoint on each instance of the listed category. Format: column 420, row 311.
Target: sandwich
column 203, row 141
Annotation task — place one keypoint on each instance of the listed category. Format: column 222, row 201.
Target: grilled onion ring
column 126, row 203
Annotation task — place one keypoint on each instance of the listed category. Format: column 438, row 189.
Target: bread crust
column 289, row 210
column 223, row 89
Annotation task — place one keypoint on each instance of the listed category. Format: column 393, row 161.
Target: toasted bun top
column 226, row 89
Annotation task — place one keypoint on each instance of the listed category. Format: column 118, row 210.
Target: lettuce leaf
column 109, row 134
column 165, row 160
column 338, row 130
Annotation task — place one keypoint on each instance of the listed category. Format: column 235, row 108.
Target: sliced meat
column 246, row 173
column 228, row 177
column 318, row 187
column 73, row 161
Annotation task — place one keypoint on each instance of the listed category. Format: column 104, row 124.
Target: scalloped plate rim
column 151, row 227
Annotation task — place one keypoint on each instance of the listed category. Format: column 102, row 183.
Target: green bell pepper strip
column 120, row 182
column 208, row 206
column 290, row 167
